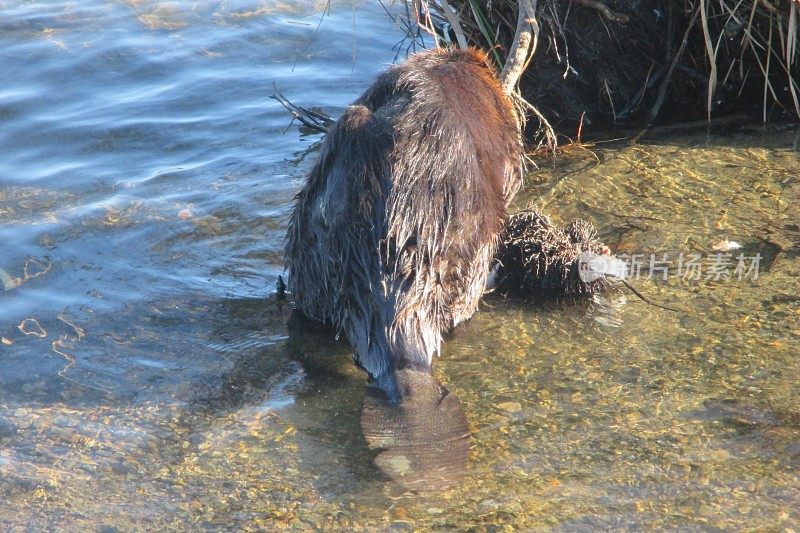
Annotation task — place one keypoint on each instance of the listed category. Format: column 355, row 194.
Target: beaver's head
column 537, row 259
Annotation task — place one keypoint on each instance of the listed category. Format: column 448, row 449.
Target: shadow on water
column 421, row 443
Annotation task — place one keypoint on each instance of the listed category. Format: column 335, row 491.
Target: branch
column 523, row 47
column 602, row 8
column 452, row 19
column 311, row 119
column 544, row 126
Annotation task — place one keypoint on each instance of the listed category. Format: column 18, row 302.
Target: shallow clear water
column 147, row 380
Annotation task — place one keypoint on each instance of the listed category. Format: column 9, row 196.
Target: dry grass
column 738, row 47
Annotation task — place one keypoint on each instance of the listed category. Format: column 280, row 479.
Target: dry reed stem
column 792, row 31
column 452, row 19
column 712, row 57
column 766, row 73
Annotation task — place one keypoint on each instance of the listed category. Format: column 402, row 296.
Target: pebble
column 510, row 407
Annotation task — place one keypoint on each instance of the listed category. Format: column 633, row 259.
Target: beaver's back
column 392, row 236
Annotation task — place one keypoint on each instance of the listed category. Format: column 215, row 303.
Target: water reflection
column 423, row 442
column 313, row 373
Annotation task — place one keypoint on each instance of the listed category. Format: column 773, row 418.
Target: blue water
column 103, row 113
column 141, row 153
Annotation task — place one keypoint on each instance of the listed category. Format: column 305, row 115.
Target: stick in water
column 645, row 299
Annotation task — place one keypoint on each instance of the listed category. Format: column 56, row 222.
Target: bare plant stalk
column 550, row 138
column 452, row 19
column 526, row 38
column 602, row 8
column 712, row 56
column 791, row 39
column 662, row 90
column 766, row 74
column 791, row 48
column 421, row 7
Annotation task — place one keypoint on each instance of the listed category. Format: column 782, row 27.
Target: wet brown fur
column 538, row 260
column 392, row 237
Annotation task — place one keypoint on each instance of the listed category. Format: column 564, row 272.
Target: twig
column 311, row 119
column 422, row 14
column 645, row 299
column 712, row 57
column 662, row 90
column 452, row 19
column 544, row 125
column 410, row 30
column 766, row 74
column 791, row 38
column 580, row 125
column 610, row 101
column 769, row 7
column 526, row 37
column 602, row 8
column 791, row 47
column 325, row 11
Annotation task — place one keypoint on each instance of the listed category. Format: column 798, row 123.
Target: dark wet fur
column 536, row 259
column 392, row 237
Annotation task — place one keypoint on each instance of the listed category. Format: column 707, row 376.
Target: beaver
column 537, row 260
column 392, row 237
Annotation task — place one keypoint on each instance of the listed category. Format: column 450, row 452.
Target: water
column 147, row 379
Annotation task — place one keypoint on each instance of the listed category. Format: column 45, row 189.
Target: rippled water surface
column 148, row 378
